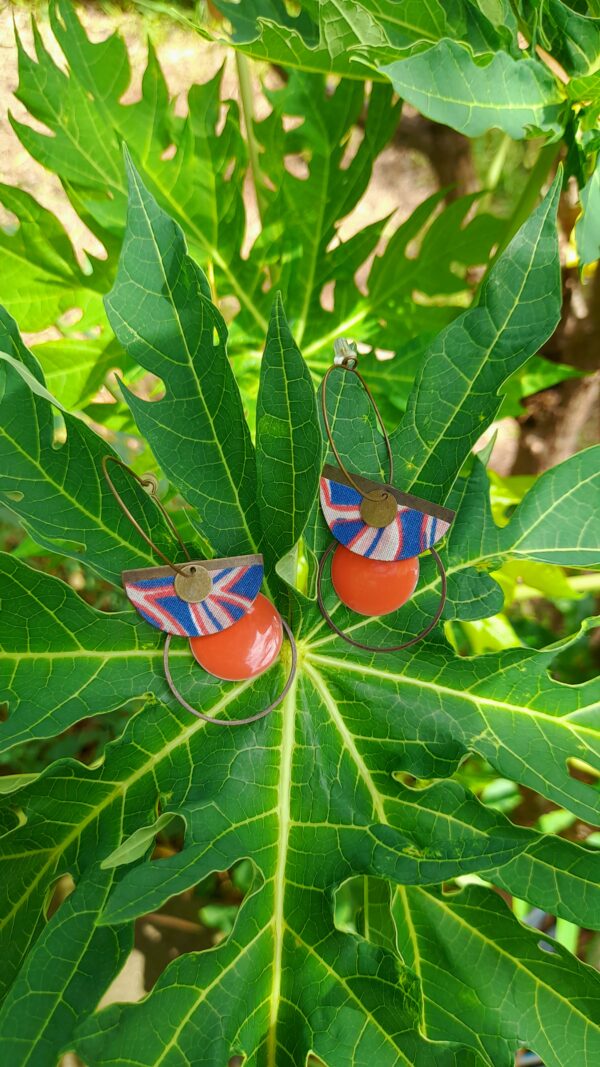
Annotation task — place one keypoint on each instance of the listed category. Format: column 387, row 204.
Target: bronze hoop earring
column 380, row 531
column 234, row 631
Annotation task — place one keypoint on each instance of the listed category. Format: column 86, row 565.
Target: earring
column 235, row 632
column 379, row 531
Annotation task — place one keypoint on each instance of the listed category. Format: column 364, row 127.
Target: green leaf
column 572, row 37
column 537, row 374
column 75, row 370
column 87, row 123
column 41, row 279
column 163, row 317
column 56, row 486
column 517, row 310
column 317, row 792
column 288, row 439
column 340, row 134
column 554, row 523
column 323, row 37
column 469, row 951
column 82, row 659
column 475, row 94
column 55, row 986
column 332, row 36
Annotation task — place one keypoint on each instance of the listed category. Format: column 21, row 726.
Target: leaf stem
column 495, row 167
column 525, row 204
column 245, row 84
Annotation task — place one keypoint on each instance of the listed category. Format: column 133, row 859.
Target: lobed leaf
column 475, row 94
column 493, row 984
column 317, row 792
column 455, row 395
column 59, row 493
column 288, row 439
column 163, row 316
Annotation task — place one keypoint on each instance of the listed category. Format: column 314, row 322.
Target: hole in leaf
column 353, row 143
column 14, row 495
column 57, row 894
column 148, row 387
column 229, row 170
column 411, row 781
column 327, row 297
column 451, row 889
column 169, row 152
column 582, row 771
column 546, row 947
column 71, row 317
column 128, row 986
column 193, row 921
column 60, row 431
column 229, row 306
column 297, row 165
column 292, row 122
column 222, row 119
column 362, row 905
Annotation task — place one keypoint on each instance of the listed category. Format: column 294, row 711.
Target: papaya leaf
column 80, row 658
column 164, row 318
column 542, row 528
column 587, row 228
column 75, row 369
column 55, row 973
column 41, row 279
column 332, row 35
column 317, row 792
column 55, row 487
column 312, row 176
column 288, row 439
column 475, row 94
column 469, row 950
column 573, row 37
column 455, row 395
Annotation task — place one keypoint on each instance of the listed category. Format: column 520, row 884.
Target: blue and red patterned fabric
column 233, row 591
column 409, row 534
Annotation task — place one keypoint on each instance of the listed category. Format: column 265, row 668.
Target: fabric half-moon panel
column 409, row 534
column 234, row 589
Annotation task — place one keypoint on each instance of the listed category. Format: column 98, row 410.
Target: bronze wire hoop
column 348, row 362
column 233, row 722
column 148, row 482
column 387, row 648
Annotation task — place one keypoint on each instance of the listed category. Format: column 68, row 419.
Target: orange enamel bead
column 373, row 586
column 245, row 649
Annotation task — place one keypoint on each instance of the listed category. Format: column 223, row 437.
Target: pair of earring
column 235, row 633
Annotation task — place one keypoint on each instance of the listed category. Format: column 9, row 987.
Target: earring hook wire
column 148, row 483
column 233, row 722
column 346, row 359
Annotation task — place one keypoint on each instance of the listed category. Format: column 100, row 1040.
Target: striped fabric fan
column 234, row 589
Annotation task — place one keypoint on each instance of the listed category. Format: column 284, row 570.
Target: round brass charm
column 194, row 585
column 378, row 509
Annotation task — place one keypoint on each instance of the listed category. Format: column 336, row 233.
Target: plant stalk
column 245, row 84
column 525, row 204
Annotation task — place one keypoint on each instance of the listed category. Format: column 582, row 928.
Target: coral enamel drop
column 373, row 586
column 245, row 649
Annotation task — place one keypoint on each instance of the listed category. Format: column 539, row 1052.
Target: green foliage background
column 371, row 928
